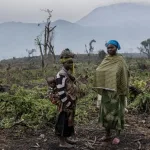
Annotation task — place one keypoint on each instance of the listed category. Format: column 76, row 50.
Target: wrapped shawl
column 112, row 75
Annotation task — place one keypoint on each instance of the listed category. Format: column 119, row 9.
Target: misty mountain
column 122, row 14
column 123, row 22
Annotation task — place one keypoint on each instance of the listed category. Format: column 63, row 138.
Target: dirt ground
column 135, row 136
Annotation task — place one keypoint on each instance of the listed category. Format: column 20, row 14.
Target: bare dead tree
column 30, row 52
column 38, row 42
column 101, row 54
column 51, row 47
column 90, row 50
column 47, row 47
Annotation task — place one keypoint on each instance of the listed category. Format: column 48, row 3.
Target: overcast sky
column 71, row 10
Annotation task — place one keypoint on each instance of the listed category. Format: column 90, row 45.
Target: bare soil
column 135, row 136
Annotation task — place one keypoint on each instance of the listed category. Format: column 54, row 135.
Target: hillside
column 127, row 23
column 122, row 14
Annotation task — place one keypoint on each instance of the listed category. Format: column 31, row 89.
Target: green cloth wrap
column 112, row 107
column 112, row 75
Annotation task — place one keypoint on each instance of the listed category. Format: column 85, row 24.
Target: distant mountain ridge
column 123, row 22
column 130, row 13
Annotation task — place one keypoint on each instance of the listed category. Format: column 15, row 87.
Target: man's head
column 68, row 65
column 66, row 59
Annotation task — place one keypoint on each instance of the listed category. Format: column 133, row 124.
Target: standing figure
column 111, row 82
column 67, row 91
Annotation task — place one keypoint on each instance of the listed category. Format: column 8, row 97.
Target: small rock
column 42, row 136
column 127, row 125
column 45, row 140
column 126, row 110
column 36, row 145
column 148, row 126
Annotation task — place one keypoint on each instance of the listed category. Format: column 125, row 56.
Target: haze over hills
column 129, row 14
column 129, row 23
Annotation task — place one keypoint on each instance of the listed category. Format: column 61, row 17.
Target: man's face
column 111, row 49
column 68, row 65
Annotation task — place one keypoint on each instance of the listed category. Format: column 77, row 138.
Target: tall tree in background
column 101, row 54
column 30, row 52
column 46, row 47
column 145, row 48
column 90, row 50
